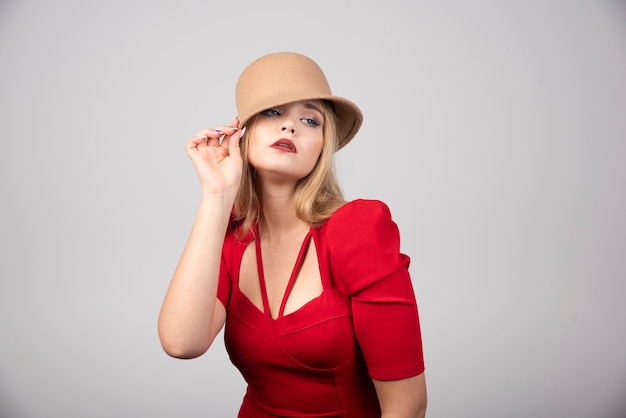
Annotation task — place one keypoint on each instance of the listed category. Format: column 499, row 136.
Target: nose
column 288, row 126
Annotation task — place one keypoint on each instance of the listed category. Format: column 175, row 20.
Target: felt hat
column 284, row 77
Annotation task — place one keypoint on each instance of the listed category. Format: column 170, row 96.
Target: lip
column 285, row 145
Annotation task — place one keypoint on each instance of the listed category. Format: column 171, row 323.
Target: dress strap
column 294, row 274
column 322, row 259
column 259, row 264
column 292, row 279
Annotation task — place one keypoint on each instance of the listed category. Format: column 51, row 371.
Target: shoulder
column 361, row 224
column 235, row 242
column 363, row 244
column 358, row 211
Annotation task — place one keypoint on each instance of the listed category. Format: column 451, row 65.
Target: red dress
column 319, row 361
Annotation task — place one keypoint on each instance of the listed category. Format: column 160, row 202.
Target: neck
column 279, row 213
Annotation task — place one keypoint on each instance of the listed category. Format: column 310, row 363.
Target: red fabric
column 319, row 361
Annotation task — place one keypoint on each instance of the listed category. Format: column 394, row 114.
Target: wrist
column 222, row 202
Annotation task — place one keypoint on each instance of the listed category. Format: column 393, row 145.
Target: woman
column 319, row 309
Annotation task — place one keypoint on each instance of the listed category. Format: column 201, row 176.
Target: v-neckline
column 292, row 278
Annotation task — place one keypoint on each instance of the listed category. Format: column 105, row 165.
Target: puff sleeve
column 365, row 262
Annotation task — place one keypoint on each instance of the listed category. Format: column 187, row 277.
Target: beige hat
column 285, row 77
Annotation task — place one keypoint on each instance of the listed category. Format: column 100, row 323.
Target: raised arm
column 191, row 316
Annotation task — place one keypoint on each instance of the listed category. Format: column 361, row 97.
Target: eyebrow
column 314, row 107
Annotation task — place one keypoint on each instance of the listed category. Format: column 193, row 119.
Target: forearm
column 415, row 409
column 405, row 398
column 416, row 413
column 185, row 321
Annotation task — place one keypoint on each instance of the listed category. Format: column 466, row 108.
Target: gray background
column 494, row 130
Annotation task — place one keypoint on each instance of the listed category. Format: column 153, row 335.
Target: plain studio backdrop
column 494, row 130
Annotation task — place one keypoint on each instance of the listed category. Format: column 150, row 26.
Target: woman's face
column 286, row 141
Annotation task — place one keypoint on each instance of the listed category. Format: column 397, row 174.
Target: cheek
column 315, row 145
column 313, row 155
column 313, row 152
column 317, row 149
column 253, row 150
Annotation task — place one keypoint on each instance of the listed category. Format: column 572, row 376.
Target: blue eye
column 310, row 122
column 270, row 112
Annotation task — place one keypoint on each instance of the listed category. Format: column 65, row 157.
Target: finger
column 225, row 141
column 233, row 145
column 207, row 140
column 216, row 133
column 213, row 137
column 196, row 141
column 235, row 128
column 227, row 132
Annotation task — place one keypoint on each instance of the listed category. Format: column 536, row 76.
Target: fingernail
column 218, row 131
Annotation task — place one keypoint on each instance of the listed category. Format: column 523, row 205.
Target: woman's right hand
column 216, row 155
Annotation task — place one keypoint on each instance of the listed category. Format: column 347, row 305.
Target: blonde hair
column 317, row 196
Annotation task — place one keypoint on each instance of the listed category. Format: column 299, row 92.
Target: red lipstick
column 285, row 145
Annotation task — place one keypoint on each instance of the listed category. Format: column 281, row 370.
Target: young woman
column 320, row 313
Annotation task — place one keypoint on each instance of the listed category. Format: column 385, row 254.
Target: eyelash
column 308, row 121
